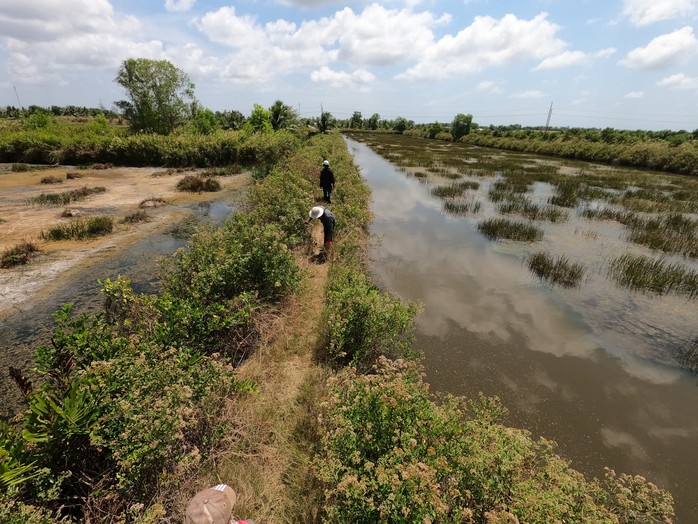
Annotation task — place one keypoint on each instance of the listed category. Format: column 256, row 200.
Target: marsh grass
column 230, row 170
column 497, row 228
column 671, row 233
column 20, row 168
column 18, row 255
column 462, row 207
column 137, row 217
column 198, row 183
column 532, row 211
column 65, row 198
column 80, row 230
column 624, row 217
column 454, row 189
column 655, row 275
column 557, row 270
column 689, row 356
column 51, row 180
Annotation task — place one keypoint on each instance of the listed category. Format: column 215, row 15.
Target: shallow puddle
column 594, row 368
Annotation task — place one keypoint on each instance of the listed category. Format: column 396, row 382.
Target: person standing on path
column 327, row 181
column 328, row 222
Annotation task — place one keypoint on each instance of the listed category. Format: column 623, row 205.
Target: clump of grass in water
column 672, row 233
column 80, row 230
column 624, row 217
column 18, row 255
column 496, row 228
column 689, row 356
column 532, row 211
column 559, row 270
column 198, row 183
column 655, row 275
column 462, row 207
column 62, row 199
column 454, row 190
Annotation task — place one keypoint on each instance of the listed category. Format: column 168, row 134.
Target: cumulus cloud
column 645, row 12
column 664, row 51
column 488, row 42
column 179, row 6
column 635, row 94
column 359, row 79
column 489, row 87
column 45, row 20
column 679, row 81
column 570, row 58
column 43, row 38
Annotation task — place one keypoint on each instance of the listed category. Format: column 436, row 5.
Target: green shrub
column 242, row 256
column 198, row 183
column 363, row 322
column 80, row 230
column 18, row 255
column 390, row 453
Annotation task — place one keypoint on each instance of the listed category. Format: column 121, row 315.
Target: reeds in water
column 656, row 275
column 532, row 211
column 557, row 270
column 496, row 228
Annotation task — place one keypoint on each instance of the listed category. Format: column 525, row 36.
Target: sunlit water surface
column 593, row 368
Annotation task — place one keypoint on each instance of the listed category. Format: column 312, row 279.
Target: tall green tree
column 325, row 121
column 282, row 116
column 160, row 96
column 259, row 121
column 373, row 121
column 461, row 125
column 356, row 120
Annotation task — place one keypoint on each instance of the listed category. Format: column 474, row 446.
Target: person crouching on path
column 327, row 219
column 327, row 181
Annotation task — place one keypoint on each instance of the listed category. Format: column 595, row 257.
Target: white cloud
column 489, row 87
column 679, row 81
column 45, row 20
column 564, row 59
column 527, row 94
column 635, row 94
column 359, row 79
column 488, row 42
column 664, row 51
column 179, row 6
column 645, row 12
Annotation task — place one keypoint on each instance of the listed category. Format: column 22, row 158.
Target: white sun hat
column 316, row 212
column 326, row 163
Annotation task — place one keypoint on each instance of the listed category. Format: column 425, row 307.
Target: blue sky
column 628, row 64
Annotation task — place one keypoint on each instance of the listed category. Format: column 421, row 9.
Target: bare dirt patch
column 127, row 190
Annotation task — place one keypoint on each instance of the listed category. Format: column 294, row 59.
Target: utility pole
column 550, row 113
column 20, row 103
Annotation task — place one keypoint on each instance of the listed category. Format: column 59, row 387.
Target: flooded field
column 70, row 271
column 583, row 341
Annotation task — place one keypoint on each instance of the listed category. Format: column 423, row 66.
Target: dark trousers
column 327, row 193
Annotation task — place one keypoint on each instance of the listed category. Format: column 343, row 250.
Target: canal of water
column 580, row 367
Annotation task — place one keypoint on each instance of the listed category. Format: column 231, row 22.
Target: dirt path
column 128, row 190
column 267, row 456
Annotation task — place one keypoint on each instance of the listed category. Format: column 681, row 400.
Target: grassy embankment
column 233, row 374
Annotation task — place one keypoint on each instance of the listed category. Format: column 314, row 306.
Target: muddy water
column 593, row 368
column 32, row 325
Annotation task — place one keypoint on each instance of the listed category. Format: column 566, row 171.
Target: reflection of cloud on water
column 613, row 438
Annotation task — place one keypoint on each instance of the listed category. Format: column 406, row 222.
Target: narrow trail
column 266, row 457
